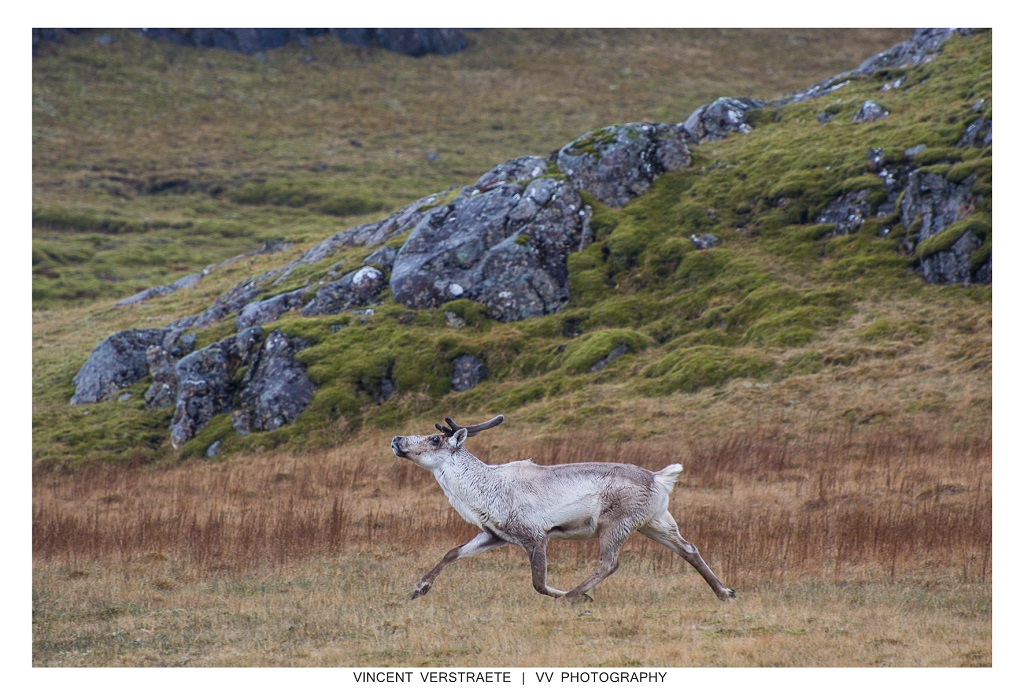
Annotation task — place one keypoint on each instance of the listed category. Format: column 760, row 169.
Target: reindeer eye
column 435, row 440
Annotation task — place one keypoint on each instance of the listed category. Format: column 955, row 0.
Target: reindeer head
column 431, row 450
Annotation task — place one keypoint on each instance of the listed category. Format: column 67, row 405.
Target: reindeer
column 526, row 504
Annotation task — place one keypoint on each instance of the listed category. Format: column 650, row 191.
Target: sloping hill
column 782, row 275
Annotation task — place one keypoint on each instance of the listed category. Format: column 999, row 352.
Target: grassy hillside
column 207, row 154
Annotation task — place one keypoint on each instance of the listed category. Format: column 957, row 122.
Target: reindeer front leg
column 478, row 544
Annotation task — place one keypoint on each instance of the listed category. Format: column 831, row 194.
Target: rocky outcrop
column 922, row 46
column 205, row 382
column 847, row 212
column 164, row 384
column 869, row 112
column 241, row 40
column 619, row 163
column 269, row 309
column 163, row 289
column 505, row 247
column 943, row 234
column 276, row 389
column 935, row 201
column 414, row 42
column 504, row 242
column 353, row 290
column 467, row 372
column 116, row 362
column 522, row 168
column 714, row 121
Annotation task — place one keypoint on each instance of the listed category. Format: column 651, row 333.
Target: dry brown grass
column 847, row 548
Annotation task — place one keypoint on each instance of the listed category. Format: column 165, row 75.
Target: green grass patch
column 585, row 352
column 693, row 368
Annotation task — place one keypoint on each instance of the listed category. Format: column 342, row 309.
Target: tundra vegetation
column 832, row 410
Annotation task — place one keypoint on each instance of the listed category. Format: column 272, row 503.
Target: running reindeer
column 526, row 504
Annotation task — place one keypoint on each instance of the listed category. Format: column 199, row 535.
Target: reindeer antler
column 452, row 427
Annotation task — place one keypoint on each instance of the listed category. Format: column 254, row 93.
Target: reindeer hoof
column 575, row 598
column 419, row 591
column 728, row 595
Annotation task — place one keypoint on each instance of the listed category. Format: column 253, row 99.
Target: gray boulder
column 269, row 309
column 357, row 288
column 276, row 389
column 505, row 247
column 117, row 361
column 953, row 266
column 704, row 240
column 231, row 301
column 714, row 121
column 374, row 233
column 164, row 385
column 922, row 46
column 418, row 42
column 619, row 163
column 467, row 372
column 382, row 258
column 522, row 168
column 936, row 201
column 205, row 382
column 930, row 205
column 164, row 289
column 977, row 134
column 848, row 212
column 869, row 112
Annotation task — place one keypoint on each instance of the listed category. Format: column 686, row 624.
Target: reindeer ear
column 458, row 438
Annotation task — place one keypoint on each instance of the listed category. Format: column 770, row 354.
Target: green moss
column 982, row 255
column 584, row 352
column 625, row 245
column 774, row 304
column 812, row 232
column 872, row 184
column 219, row 428
column 938, row 155
column 593, row 141
column 794, row 184
column 978, row 224
column 964, row 170
column 786, row 330
column 473, row 313
column 693, row 368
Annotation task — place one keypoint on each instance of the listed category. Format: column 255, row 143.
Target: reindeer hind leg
column 664, row 530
